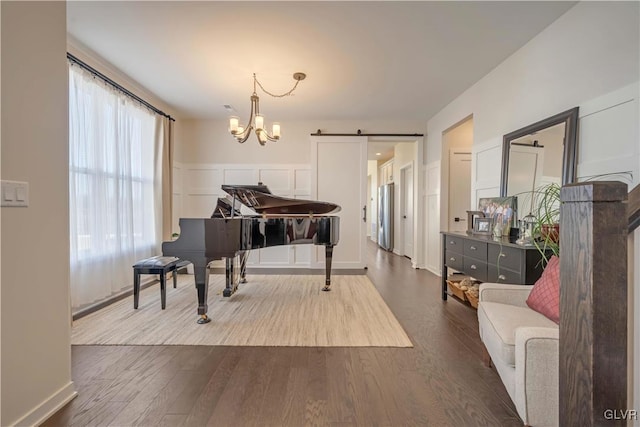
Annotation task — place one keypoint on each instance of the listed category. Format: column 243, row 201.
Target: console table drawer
column 475, row 249
column 505, row 257
column 503, row 275
column 476, row 269
column 454, row 244
column 453, row 260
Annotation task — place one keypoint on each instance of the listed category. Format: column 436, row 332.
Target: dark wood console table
column 489, row 260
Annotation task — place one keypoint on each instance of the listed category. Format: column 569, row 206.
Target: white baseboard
column 434, row 271
column 49, row 407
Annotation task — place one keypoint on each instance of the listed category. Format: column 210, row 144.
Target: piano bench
column 160, row 265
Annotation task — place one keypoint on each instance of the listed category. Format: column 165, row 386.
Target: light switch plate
column 15, row 194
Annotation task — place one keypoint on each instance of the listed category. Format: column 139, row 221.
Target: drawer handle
column 473, row 267
column 473, row 248
column 502, row 277
column 502, row 255
column 452, row 242
column 452, row 259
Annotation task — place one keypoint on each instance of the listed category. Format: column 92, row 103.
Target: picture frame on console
column 482, row 225
column 503, row 211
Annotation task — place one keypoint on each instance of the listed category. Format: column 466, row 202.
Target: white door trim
column 403, row 175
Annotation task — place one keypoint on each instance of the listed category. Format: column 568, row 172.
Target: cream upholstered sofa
column 523, row 346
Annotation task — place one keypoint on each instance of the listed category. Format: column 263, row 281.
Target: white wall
column 36, row 350
column 588, row 58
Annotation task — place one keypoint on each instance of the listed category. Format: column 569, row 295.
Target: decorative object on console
column 471, row 219
column 256, row 120
column 503, row 211
column 527, row 227
column 482, row 225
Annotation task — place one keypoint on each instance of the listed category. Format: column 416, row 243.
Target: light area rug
column 268, row 310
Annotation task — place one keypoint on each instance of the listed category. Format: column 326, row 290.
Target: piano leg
column 328, row 255
column 243, row 266
column 231, row 277
column 202, row 287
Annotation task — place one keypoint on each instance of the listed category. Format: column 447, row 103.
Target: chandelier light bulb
column 276, row 130
column 259, row 122
column 233, row 124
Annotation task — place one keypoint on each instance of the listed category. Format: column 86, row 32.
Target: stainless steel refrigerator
column 385, row 216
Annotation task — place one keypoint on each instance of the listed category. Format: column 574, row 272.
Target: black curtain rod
column 116, row 85
column 359, row 133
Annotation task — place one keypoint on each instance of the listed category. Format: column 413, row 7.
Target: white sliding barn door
column 339, row 175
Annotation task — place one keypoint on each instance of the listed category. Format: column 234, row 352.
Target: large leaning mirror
column 539, row 154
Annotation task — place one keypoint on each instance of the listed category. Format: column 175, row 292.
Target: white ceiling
column 363, row 60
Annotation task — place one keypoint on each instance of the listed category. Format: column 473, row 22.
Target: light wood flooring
column 439, row 382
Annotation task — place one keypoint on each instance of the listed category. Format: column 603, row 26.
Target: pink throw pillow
column 545, row 295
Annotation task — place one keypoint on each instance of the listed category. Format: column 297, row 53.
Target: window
column 114, row 185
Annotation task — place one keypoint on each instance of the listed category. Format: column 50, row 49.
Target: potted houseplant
column 546, row 229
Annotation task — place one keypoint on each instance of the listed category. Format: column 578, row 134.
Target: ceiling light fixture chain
column 297, row 77
column 256, row 120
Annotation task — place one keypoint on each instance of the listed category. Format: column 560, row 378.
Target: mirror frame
column 569, row 154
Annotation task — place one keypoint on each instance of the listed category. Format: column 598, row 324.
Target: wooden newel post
column 593, row 304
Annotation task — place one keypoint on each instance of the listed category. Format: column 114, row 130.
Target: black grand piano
column 229, row 234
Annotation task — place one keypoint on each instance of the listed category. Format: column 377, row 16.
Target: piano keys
column 229, row 234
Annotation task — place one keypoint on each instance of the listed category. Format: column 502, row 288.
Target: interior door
column 459, row 189
column 407, row 210
column 339, row 175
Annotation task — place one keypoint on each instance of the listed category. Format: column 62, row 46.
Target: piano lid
column 260, row 199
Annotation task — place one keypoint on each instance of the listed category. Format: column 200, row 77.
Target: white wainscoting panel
column 278, row 180
column 433, row 178
column 241, row 176
column 433, row 234
column 432, row 210
column 302, row 182
column 203, row 180
column 608, row 135
column 200, row 205
column 176, row 206
column 486, row 168
column 176, row 209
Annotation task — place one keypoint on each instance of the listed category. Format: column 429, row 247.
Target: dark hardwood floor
column 439, row 382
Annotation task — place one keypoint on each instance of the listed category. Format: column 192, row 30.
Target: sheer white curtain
column 115, row 187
